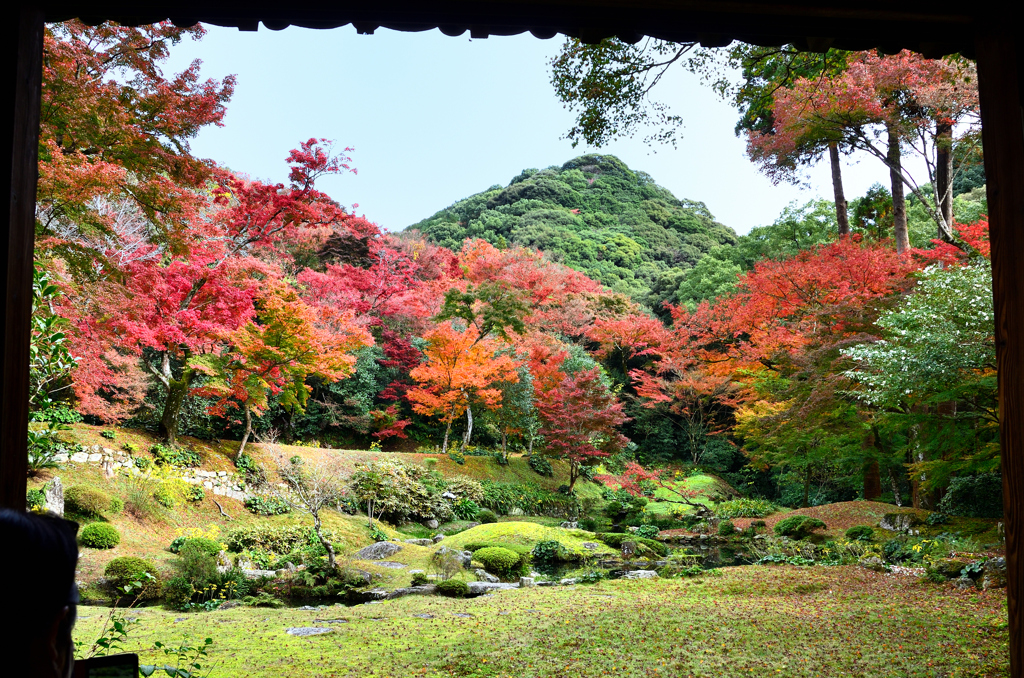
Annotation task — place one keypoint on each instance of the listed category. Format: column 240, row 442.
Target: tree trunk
column 469, row 428
column 944, row 177
column 574, row 473
column 248, row 430
column 447, row 432
column 177, row 389
column 872, row 480
column 324, row 542
column 837, row 187
column 504, row 446
column 807, row 488
column 899, row 202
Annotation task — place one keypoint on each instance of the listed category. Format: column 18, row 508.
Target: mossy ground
column 754, row 620
column 526, row 533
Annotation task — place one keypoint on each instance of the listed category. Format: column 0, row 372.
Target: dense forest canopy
column 595, row 215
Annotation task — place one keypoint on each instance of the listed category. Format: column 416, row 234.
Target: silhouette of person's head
column 38, row 607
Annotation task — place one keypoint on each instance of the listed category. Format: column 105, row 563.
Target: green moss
column 526, row 534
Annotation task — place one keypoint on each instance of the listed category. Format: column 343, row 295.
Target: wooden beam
column 1000, row 88
column 19, row 142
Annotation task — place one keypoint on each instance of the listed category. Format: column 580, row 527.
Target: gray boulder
column 477, row 588
column 466, row 557
column 873, row 563
column 378, row 551
column 437, row 538
column 432, row 524
column 570, row 525
column 641, row 574
column 994, row 574
column 899, row 522
column 308, row 631
column 420, row 542
column 484, row 575
column 54, row 496
column 526, row 582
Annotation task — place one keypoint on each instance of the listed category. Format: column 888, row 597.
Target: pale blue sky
column 434, row 119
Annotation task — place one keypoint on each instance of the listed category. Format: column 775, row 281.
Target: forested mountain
column 593, row 214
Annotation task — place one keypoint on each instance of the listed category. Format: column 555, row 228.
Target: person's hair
column 40, row 554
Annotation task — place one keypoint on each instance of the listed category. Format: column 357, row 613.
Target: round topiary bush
column 100, row 536
column 498, row 560
column 486, row 516
column 86, row 501
column 798, row 527
column 453, row 588
column 203, row 544
column 860, row 533
column 419, row 579
column 131, row 571
column 726, row 528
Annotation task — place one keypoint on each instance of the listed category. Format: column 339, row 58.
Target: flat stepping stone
column 331, row 621
column 390, row 564
column 465, row 615
column 308, row 631
column 378, row 551
column 424, row 616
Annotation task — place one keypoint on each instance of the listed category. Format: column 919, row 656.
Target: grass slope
column 756, row 621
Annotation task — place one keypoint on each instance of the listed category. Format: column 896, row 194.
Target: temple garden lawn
column 742, row 621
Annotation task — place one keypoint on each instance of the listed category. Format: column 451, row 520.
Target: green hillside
column 595, row 215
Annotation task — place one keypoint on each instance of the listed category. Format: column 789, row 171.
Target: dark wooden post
column 19, row 141
column 999, row 85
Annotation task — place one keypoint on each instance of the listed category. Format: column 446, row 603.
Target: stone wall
column 220, row 483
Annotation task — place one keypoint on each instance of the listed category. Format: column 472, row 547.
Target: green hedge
column 615, row 539
column 503, row 562
column 86, row 501
column 100, row 536
column 453, row 588
column 798, row 527
column 129, row 570
column 279, row 540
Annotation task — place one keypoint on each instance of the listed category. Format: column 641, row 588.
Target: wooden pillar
column 999, row 84
column 19, row 140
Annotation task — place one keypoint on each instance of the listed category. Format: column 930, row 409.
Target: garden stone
column 478, row 587
column 391, row 565
column 308, row 631
column 307, row 607
column 949, row 568
column 420, row 542
column 589, row 545
column 641, row 574
column 873, row 563
column 964, row 583
column 471, row 524
column 483, row 575
column 448, row 495
column 79, row 457
column 432, row 524
column 424, row 616
column 331, row 621
column 415, row 571
column 378, row 551
column 568, row 581
column 899, row 522
column 516, row 511
column 465, row 615
column 54, row 496
column 466, row 556
column 994, row 574
column 526, row 582
column 437, row 538
column 570, row 525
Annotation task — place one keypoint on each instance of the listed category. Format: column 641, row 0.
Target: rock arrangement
column 220, row 483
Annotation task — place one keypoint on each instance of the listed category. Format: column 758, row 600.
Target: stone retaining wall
column 220, row 483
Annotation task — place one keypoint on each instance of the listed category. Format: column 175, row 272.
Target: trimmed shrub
column 203, row 544
column 453, row 588
column 177, row 544
column 549, row 551
column 745, row 508
column 420, row 579
column 798, row 527
column 267, row 506
column 979, row 496
column 100, row 536
column 726, row 528
column 860, row 533
column 502, row 562
column 647, row 531
column 34, row 499
column 116, row 505
column 86, row 501
column 128, row 571
column 541, row 466
column 486, row 516
column 277, row 540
